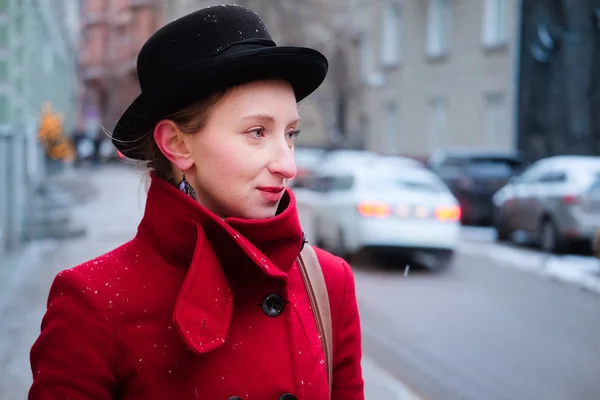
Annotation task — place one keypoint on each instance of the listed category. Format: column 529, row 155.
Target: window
column 391, row 36
column 3, row 36
column 3, row 71
column 18, row 85
column 438, row 18
column 553, row 177
column 438, row 130
column 366, row 56
column 495, row 119
column 3, row 109
column 390, row 183
column 493, row 167
column 330, row 183
column 494, row 22
column 367, row 63
column 392, row 125
column 48, row 59
column 532, row 173
column 19, row 23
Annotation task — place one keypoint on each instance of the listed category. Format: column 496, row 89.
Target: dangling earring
column 186, row 188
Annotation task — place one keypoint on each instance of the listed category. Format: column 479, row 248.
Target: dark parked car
column 474, row 176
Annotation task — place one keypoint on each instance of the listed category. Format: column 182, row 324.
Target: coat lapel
column 185, row 235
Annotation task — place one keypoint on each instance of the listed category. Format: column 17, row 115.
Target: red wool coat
column 195, row 307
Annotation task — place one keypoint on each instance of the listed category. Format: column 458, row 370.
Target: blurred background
column 452, row 156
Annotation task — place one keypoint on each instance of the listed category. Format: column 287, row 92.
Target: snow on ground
column 577, row 270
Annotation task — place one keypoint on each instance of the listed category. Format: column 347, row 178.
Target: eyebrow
column 265, row 117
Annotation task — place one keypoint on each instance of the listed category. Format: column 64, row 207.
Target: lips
column 271, row 189
column 272, row 194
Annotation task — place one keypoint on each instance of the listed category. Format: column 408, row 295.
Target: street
column 482, row 332
column 478, row 331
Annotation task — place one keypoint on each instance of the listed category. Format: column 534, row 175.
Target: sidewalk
column 27, row 275
column 111, row 218
column 580, row 271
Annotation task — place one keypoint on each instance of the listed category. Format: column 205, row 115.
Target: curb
column 544, row 265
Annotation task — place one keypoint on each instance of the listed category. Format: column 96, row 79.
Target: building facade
column 313, row 23
column 38, row 51
column 438, row 74
column 113, row 33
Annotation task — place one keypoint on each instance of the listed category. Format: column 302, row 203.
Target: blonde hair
column 189, row 120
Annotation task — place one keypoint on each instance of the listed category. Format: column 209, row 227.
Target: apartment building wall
column 438, row 74
column 319, row 24
column 113, row 33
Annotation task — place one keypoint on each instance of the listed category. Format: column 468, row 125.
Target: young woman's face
column 244, row 156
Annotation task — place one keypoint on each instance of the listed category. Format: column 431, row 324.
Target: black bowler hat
column 211, row 49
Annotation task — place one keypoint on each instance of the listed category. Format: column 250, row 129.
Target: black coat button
column 288, row 396
column 272, row 305
column 235, row 398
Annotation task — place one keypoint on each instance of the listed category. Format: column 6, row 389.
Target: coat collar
column 182, row 234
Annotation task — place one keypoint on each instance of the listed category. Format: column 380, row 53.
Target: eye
column 257, row 133
column 293, row 135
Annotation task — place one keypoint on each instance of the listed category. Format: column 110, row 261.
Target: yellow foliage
column 50, row 134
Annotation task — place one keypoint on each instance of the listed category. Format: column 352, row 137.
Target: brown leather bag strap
column 319, row 301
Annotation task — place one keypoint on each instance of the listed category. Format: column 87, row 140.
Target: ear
column 169, row 140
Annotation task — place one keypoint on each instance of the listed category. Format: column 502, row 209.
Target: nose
column 282, row 161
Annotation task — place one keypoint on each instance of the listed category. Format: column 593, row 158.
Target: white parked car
column 307, row 160
column 384, row 204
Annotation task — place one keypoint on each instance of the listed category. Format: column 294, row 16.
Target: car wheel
column 549, row 237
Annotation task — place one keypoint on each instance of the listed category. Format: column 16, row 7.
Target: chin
column 261, row 211
column 266, row 212
column 256, row 212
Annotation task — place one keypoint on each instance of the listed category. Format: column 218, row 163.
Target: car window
column 452, row 162
column 331, row 183
column 532, row 174
column 394, row 183
column 492, row 167
column 552, row 177
column 595, row 187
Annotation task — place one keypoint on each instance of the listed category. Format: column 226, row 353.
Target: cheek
column 227, row 163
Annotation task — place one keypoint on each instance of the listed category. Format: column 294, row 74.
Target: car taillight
column 372, row 209
column 570, row 199
column 448, row 213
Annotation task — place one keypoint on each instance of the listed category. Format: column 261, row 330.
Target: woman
column 207, row 301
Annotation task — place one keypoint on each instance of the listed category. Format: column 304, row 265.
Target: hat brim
column 305, row 69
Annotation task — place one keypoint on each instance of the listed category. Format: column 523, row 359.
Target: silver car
column 555, row 202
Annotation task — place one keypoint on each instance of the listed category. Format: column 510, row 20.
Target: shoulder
column 109, row 263
column 333, row 266
column 338, row 275
column 96, row 276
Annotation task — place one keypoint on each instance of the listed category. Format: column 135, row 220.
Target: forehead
column 274, row 89
column 266, row 98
